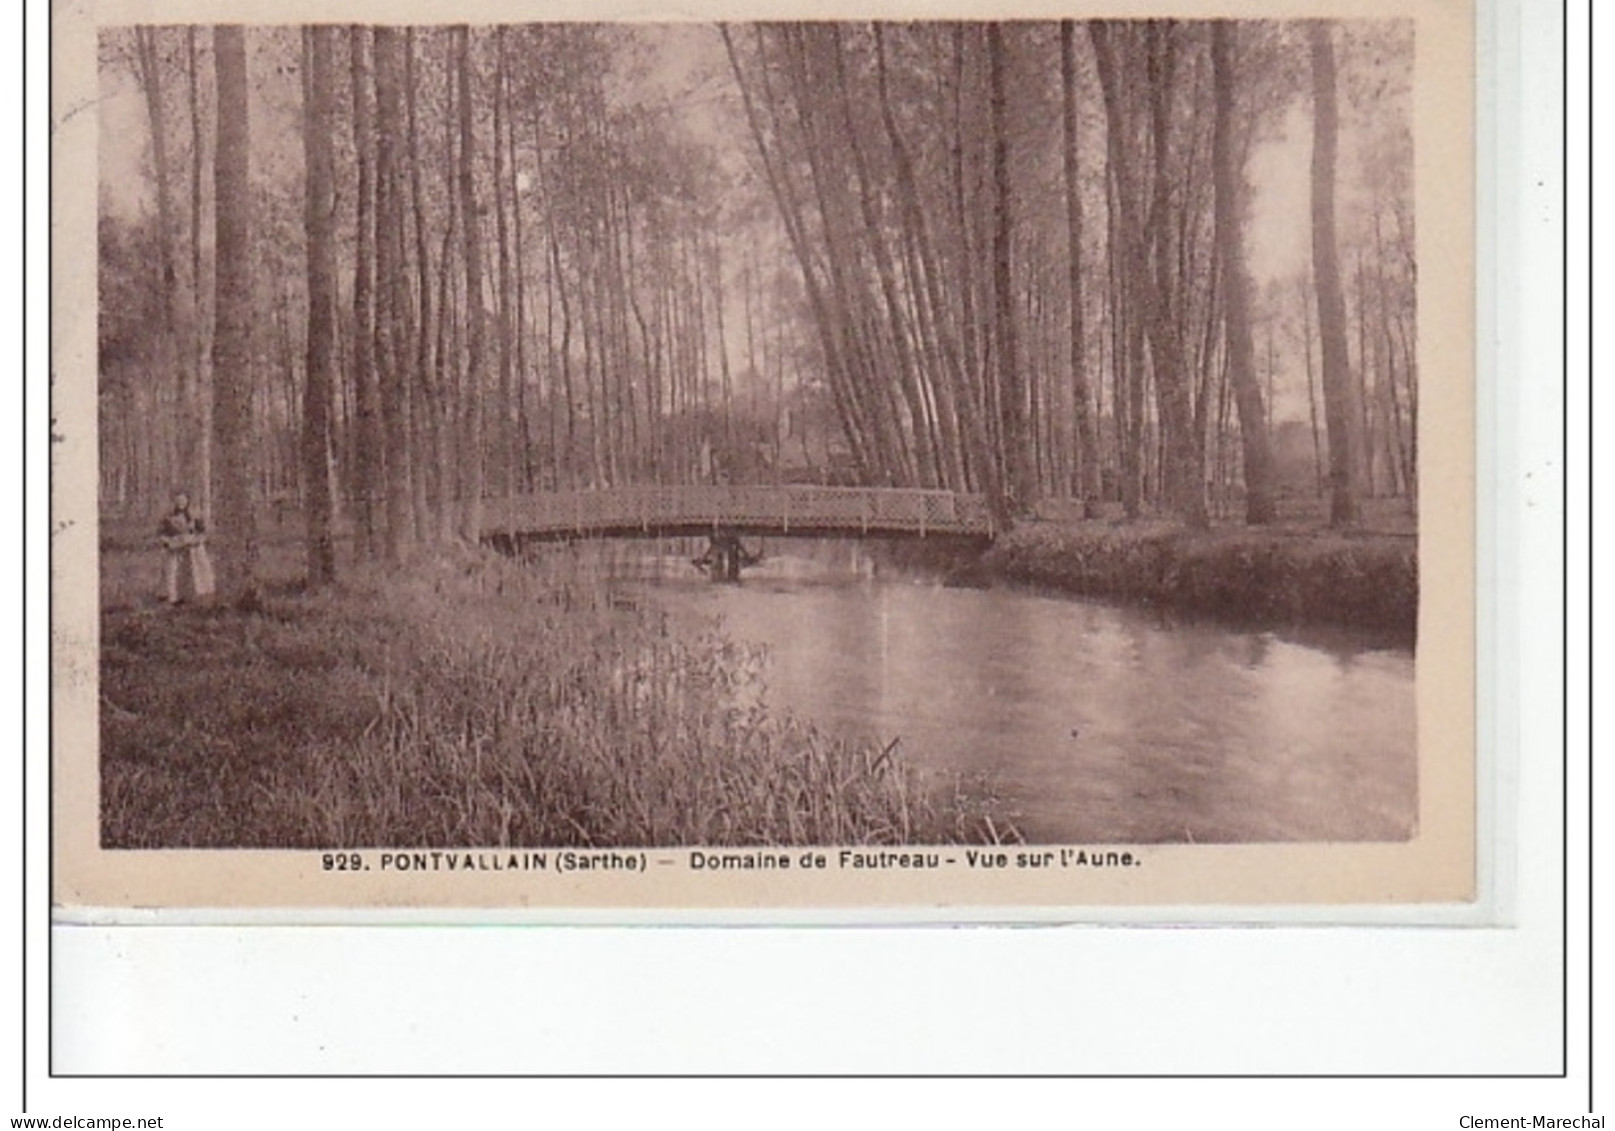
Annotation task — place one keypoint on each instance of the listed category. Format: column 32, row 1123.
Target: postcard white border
column 1487, row 962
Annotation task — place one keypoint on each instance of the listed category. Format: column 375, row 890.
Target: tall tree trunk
column 588, row 322
column 1012, row 385
column 471, row 516
column 1312, row 386
column 319, row 208
column 392, row 339
column 647, row 449
column 723, row 360
column 1361, row 391
column 176, row 357
column 568, row 394
column 367, row 463
column 973, row 354
column 1385, row 346
column 1340, row 414
column 200, row 415
column 1129, row 281
column 235, row 535
column 619, row 224
column 504, row 439
column 1229, row 176
column 1182, row 481
column 551, row 382
column 528, row 449
column 428, row 401
column 447, row 372
column 1087, row 454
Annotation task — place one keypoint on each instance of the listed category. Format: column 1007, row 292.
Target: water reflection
column 1100, row 723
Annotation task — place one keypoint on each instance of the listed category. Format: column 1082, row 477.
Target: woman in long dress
column 184, row 539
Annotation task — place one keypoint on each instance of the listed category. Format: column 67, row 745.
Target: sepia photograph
column 619, row 460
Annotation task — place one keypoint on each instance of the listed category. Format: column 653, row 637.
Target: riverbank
column 1284, row 576
column 471, row 701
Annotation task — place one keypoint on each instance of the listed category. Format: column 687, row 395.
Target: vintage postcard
column 962, row 464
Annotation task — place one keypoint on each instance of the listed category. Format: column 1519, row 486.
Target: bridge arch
column 789, row 510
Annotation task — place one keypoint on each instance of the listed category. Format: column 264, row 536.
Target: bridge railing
column 860, row 509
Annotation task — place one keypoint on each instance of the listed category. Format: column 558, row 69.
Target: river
column 1096, row 722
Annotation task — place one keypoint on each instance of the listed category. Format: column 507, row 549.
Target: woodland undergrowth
column 473, row 701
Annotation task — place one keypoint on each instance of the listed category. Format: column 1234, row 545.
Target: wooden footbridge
column 797, row 511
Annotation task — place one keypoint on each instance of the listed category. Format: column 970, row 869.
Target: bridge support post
column 725, row 554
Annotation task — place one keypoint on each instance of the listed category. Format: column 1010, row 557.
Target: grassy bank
column 1250, row 576
column 472, row 701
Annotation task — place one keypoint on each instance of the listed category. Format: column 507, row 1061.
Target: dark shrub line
column 1245, row 576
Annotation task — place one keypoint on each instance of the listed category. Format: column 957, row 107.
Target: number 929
column 341, row 862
